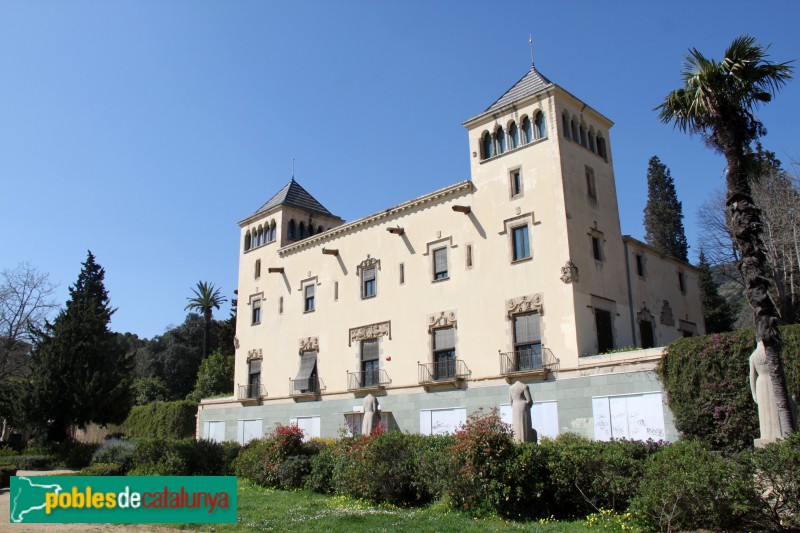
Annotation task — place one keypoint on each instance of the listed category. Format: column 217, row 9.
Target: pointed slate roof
column 531, row 83
column 295, row 196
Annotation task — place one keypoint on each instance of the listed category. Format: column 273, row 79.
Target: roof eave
column 525, row 100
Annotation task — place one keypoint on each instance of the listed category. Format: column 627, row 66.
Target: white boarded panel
column 460, row 418
column 445, row 421
column 544, row 416
column 240, row 431
column 315, row 427
column 602, row 419
column 505, row 414
column 654, row 416
column 214, row 431
column 305, row 424
column 425, row 422
column 251, row 429
column 619, row 417
column 637, row 417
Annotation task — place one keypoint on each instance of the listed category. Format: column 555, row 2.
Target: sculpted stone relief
column 442, row 320
column 666, row 315
column 369, row 262
column 569, row 272
column 370, row 331
column 254, row 354
column 525, row 304
column 311, row 344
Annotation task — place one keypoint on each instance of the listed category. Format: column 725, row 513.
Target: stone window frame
column 515, row 171
column 595, row 235
column 604, row 304
column 438, row 244
column 312, row 281
column 509, row 225
column 253, row 299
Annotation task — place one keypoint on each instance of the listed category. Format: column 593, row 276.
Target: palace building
column 436, row 305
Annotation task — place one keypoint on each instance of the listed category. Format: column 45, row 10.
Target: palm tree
column 717, row 100
column 206, row 298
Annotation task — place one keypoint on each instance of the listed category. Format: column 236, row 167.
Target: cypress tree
column 80, row 372
column 663, row 214
column 717, row 312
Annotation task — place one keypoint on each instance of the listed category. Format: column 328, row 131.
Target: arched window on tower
column 272, row 231
column 513, row 136
column 500, row 139
column 541, row 127
column 601, row 148
column 565, row 125
column 290, row 234
column 260, row 236
column 592, row 145
column 310, row 230
column 527, row 130
column 575, row 135
column 487, row 147
column 301, row 231
column 583, row 136
column 320, row 230
column 247, row 241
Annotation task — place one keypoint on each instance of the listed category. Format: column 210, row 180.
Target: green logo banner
column 134, row 499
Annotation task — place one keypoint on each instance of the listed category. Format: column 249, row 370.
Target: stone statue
column 521, row 423
column 372, row 414
column 764, row 396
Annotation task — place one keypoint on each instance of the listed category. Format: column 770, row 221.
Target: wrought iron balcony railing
column 306, row 387
column 251, row 392
column 368, row 379
column 537, row 360
column 448, row 370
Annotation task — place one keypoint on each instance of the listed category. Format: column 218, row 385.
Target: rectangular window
column 368, row 283
column 254, row 378
column 280, row 305
column 258, row 268
column 444, row 353
column 335, row 291
column 440, row 264
column 256, row 312
column 306, row 380
column 605, row 333
column 516, row 183
column 309, row 299
column 402, row 273
column 521, row 243
column 682, row 282
column 370, row 363
column 469, row 256
column 632, row 417
column 597, row 251
column 527, row 342
column 591, row 188
column 640, row 265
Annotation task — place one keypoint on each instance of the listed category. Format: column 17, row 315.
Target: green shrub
column 76, row 454
column 6, row 471
column 587, row 476
column 777, row 479
column 102, row 469
column 116, row 451
column 261, row 460
column 293, row 470
column 165, row 420
column 381, row 467
column 433, row 465
column 32, row 462
column 688, row 487
column 184, row 457
column 479, row 482
column 320, row 477
column 708, row 389
column 530, row 484
column 6, row 451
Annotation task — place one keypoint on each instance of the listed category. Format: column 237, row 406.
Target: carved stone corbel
column 569, row 272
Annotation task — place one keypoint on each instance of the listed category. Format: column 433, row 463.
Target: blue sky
column 146, row 130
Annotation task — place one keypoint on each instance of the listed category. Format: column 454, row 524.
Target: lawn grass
column 263, row 509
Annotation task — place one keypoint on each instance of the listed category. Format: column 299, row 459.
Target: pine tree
column 717, row 312
column 80, row 371
column 663, row 214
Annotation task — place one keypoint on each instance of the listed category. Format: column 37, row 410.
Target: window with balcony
column 307, row 379
column 444, row 353
column 254, row 378
column 527, row 342
column 370, row 363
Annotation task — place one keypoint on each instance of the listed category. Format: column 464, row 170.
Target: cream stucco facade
column 425, row 304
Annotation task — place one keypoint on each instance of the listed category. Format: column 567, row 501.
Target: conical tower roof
column 531, row 83
column 294, row 195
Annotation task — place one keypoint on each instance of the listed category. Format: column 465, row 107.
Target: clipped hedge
column 184, row 457
column 708, row 387
column 163, row 420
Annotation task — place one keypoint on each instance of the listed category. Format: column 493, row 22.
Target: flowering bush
column 262, row 461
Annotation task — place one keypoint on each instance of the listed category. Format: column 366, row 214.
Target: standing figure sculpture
column 372, row 414
column 761, row 388
column 521, row 422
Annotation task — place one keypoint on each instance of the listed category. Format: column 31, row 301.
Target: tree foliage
column 214, row 377
column 718, row 314
column 718, row 100
column 663, row 214
column 79, row 371
column 206, row 298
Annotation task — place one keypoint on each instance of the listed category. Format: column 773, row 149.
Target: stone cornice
column 371, row 220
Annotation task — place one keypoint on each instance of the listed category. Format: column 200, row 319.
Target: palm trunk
column 206, row 328
column 746, row 226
